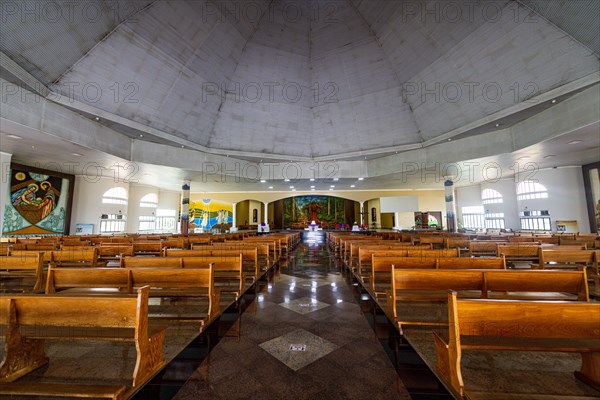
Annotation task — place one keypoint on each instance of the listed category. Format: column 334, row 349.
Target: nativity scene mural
column 37, row 204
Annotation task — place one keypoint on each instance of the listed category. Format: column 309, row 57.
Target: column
column 362, row 213
column 450, row 209
column 4, row 186
column 185, row 207
column 266, row 216
column 233, row 224
column 397, row 220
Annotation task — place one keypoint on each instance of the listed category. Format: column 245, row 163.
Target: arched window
column 491, row 196
column 116, row 195
column 531, row 190
column 150, row 200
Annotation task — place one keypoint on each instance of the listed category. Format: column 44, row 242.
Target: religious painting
column 208, row 213
column 325, row 211
column 255, row 215
column 38, row 202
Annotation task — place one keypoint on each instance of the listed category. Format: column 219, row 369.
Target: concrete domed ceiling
column 309, row 79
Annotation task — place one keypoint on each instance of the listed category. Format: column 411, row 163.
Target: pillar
column 397, row 220
column 266, row 213
column 362, row 213
column 4, row 186
column 185, row 207
column 234, row 223
column 450, row 207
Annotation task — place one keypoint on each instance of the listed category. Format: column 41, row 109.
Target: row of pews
column 459, row 301
column 71, row 295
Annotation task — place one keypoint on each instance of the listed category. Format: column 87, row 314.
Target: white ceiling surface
column 358, row 56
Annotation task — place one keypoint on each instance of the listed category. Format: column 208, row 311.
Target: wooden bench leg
column 21, row 355
column 590, row 370
column 149, row 358
column 448, row 366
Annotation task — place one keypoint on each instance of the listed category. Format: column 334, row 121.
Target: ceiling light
column 336, row 179
column 13, row 136
column 77, row 154
column 293, row 190
column 312, row 187
column 141, row 135
column 352, row 186
column 332, row 186
column 361, row 179
column 270, row 187
column 549, row 156
column 449, row 139
column 523, row 158
column 312, row 190
column 554, row 101
column 182, row 146
column 291, row 187
column 286, row 180
column 97, row 118
column 263, row 181
column 312, row 179
column 575, row 141
column 331, row 189
column 497, row 125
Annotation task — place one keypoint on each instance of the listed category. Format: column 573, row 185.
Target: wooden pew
column 249, row 256
column 22, row 268
column 163, row 282
column 516, row 253
column 482, row 248
column 29, row 320
column 153, row 248
column 262, row 249
column 571, row 259
column 112, row 251
column 410, row 285
column 518, row 326
column 381, row 272
column 34, row 247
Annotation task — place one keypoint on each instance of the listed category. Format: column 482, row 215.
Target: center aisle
column 304, row 337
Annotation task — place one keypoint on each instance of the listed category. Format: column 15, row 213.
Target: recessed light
column 554, row 101
column 293, row 190
column 312, row 179
column 291, row 187
column 549, row 156
column 352, row 186
column 497, row 125
column 13, row 136
column 312, row 190
column 263, row 181
column 332, row 186
column 336, row 179
column 575, row 141
column 449, row 139
column 270, row 187
column 312, row 187
column 182, row 146
column 331, row 189
column 361, row 179
column 141, row 135
column 97, row 118
column 77, row 154
column 286, row 180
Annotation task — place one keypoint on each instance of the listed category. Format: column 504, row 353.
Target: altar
column 313, row 227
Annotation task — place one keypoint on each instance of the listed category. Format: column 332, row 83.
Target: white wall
column 566, row 196
column 87, row 201
column 5, row 165
column 509, row 206
column 134, row 211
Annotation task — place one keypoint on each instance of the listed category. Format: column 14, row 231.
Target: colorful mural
column 36, row 204
column 208, row 213
column 324, row 210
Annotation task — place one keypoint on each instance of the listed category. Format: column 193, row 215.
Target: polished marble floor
column 304, row 337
